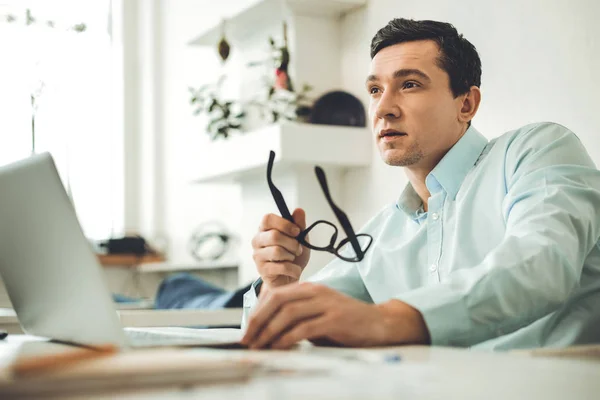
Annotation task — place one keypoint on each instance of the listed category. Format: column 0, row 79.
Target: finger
column 270, row 304
column 299, row 217
column 272, row 221
column 311, row 328
column 289, row 315
column 272, row 270
column 275, row 238
column 273, row 253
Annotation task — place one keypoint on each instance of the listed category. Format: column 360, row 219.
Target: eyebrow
column 402, row 73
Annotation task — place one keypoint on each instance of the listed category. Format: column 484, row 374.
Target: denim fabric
column 184, row 290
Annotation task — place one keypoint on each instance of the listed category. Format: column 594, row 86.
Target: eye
column 373, row 90
column 410, row 85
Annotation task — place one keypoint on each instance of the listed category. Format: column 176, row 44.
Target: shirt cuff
column 250, row 301
column 444, row 312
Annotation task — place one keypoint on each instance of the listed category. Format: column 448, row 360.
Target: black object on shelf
column 127, row 245
column 338, row 108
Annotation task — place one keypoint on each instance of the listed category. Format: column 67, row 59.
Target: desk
column 158, row 318
column 423, row 373
column 150, row 318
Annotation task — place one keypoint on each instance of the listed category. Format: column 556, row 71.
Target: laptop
column 52, row 275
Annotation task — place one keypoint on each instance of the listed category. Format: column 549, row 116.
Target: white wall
column 186, row 205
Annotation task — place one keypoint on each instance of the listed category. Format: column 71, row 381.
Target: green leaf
column 79, row 27
column 223, row 131
column 213, row 122
column 212, row 106
column 29, row 17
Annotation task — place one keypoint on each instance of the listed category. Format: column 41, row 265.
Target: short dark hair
column 458, row 57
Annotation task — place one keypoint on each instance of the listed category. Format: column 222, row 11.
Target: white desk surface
column 154, row 318
column 186, row 266
column 310, row 372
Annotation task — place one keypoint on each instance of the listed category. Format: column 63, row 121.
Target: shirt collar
column 449, row 173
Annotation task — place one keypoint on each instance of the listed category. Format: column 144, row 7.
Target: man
column 491, row 244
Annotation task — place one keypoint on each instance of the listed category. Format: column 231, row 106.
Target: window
column 57, row 90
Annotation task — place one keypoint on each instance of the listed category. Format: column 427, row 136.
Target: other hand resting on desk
column 294, row 312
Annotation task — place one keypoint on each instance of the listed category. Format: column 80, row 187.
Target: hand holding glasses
column 351, row 249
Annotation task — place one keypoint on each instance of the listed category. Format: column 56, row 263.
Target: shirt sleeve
column 552, row 217
column 337, row 274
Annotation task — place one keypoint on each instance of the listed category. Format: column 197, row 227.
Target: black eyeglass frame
column 351, row 236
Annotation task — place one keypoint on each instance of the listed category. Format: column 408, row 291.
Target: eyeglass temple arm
column 341, row 216
column 277, row 196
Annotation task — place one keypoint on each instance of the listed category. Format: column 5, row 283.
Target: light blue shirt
column 507, row 255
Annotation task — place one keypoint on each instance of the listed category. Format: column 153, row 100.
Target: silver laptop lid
column 51, row 274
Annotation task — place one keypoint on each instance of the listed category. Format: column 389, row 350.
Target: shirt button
column 435, row 216
column 433, row 268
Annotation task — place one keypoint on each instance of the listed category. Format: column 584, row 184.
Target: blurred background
column 160, row 113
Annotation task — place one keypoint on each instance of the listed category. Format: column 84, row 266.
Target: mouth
column 389, row 133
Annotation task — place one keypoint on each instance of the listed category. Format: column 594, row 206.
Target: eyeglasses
column 351, row 249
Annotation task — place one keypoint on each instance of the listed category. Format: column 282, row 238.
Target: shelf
column 293, row 143
column 128, row 260
column 241, row 23
column 191, row 266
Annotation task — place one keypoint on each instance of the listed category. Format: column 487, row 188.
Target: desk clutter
column 49, row 369
column 42, row 368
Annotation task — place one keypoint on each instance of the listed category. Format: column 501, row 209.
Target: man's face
column 413, row 112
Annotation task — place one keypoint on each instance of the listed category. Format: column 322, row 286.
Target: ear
column 469, row 104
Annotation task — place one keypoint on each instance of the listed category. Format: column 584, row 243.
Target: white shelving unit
column 295, row 145
column 241, row 23
column 314, row 40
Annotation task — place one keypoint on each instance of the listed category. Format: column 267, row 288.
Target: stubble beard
column 412, row 156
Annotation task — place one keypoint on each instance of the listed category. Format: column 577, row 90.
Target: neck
column 417, row 177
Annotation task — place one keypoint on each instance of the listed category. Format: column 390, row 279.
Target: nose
column 387, row 107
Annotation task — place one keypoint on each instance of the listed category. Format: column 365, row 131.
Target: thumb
column 299, row 218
